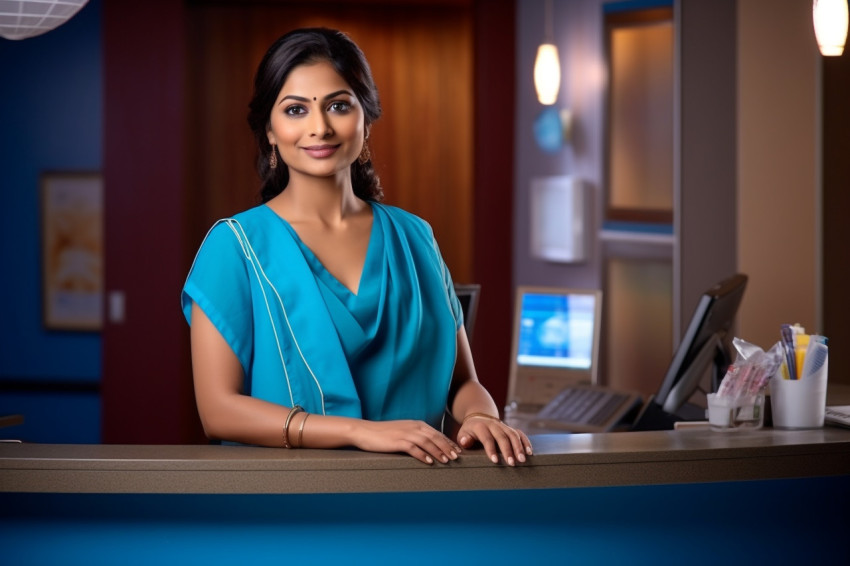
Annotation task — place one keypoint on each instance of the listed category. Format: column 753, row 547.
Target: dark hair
column 305, row 46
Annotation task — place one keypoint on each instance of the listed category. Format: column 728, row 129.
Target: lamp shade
column 20, row 19
column 547, row 73
column 830, row 19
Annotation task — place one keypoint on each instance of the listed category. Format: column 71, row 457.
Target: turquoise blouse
column 302, row 338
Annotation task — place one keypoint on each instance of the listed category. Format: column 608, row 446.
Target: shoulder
column 230, row 233
column 256, row 216
column 246, row 220
column 405, row 220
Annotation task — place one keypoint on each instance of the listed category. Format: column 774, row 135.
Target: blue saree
column 301, row 337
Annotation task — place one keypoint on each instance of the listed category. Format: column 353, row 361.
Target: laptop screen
column 556, row 330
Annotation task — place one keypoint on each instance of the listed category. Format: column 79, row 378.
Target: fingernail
column 494, row 459
column 454, row 455
column 520, row 456
column 528, row 450
column 429, row 459
column 462, row 440
column 510, row 461
column 445, row 459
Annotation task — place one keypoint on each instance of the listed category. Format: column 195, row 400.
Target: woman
column 322, row 318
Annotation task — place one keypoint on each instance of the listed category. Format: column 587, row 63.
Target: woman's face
column 317, row 122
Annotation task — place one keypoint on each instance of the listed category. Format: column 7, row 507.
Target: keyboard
column 583, row 405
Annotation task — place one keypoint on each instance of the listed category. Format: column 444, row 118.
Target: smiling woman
column 317, row 135
column 322, row 303
column 299, row 127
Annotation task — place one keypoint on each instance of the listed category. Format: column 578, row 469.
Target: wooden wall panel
column 422, row 147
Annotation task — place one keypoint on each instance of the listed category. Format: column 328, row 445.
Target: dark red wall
column 835, row 144
column 147, row 394
column 494, row 180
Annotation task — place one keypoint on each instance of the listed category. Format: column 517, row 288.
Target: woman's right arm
column 228, row 414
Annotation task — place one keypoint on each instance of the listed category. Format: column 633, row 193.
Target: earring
column 365, row 154
column 273, row 158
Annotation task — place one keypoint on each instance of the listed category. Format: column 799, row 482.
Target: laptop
column 553, row 382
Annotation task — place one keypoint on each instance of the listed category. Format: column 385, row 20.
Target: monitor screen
column 556, row 330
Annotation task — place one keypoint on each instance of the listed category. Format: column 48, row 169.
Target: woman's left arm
column 473, row 407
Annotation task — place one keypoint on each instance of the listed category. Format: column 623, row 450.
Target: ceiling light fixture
column 830, row 19
column 20, row 19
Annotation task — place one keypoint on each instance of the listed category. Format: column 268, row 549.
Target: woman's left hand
column 496, row 437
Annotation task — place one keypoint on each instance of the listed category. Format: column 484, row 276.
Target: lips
column 321, row 151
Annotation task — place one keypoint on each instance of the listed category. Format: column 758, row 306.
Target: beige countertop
column 560, row 461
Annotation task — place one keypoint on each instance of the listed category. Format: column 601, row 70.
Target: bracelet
column 301, row 429
column 482, row 415
column 292, row 412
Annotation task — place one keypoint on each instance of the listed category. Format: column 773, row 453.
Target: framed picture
column 72, row 250
column 639, row 50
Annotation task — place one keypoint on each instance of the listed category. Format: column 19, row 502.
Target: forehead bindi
column 313, row 82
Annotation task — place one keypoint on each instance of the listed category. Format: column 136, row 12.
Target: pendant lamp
column 547, row 65
column 830, row 19
column 20, row 19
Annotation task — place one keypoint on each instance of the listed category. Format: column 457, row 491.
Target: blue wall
column 51, row 119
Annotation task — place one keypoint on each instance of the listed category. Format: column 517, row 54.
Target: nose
column 320, row 125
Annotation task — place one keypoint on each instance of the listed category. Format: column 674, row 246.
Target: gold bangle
column 482, row 415
column 292, row 412
column 301, row 428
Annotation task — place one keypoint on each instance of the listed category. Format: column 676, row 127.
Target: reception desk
column 673, row 497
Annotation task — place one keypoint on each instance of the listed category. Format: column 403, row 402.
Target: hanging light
column 830, row 19
column 20, row 19
column 547, row 73
column 547, row 66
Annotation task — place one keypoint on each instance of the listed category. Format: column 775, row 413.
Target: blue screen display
column 556, row 330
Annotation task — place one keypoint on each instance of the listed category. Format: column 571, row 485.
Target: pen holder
column 730, row 414
column 798, row 403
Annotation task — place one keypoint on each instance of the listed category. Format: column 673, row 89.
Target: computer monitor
column 467, row 295
column 704, row 345
column 555, row 343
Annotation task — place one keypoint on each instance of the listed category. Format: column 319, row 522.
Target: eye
column 295, row 110
column 340, row 106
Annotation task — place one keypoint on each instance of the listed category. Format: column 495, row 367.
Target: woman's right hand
column 416, row 438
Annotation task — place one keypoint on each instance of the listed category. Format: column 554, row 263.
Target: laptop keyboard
column 583, row 406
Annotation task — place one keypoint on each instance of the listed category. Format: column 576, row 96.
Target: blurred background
column 150, row 99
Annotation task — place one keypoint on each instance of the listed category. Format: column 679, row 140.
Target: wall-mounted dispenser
column 559, row 219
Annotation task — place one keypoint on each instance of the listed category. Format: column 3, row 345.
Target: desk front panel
column 798, row 521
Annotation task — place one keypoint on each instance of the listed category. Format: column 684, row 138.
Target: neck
column 327, row 199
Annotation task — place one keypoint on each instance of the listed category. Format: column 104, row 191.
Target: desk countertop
column 578, row 460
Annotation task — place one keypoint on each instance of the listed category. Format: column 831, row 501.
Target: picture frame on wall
column 639, row 131
column 72, row 250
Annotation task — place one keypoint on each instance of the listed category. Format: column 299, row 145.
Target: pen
column 788, row 345
column 801, row 344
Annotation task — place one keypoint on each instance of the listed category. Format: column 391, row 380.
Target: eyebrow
column 326, row 97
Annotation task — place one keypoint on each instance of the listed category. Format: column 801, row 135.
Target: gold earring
column 273, row 157
column 365, row 154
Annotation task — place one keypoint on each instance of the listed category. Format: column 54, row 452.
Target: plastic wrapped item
column 739, row 401
column 751, row 371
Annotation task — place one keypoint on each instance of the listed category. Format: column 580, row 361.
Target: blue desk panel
column 775, row 522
